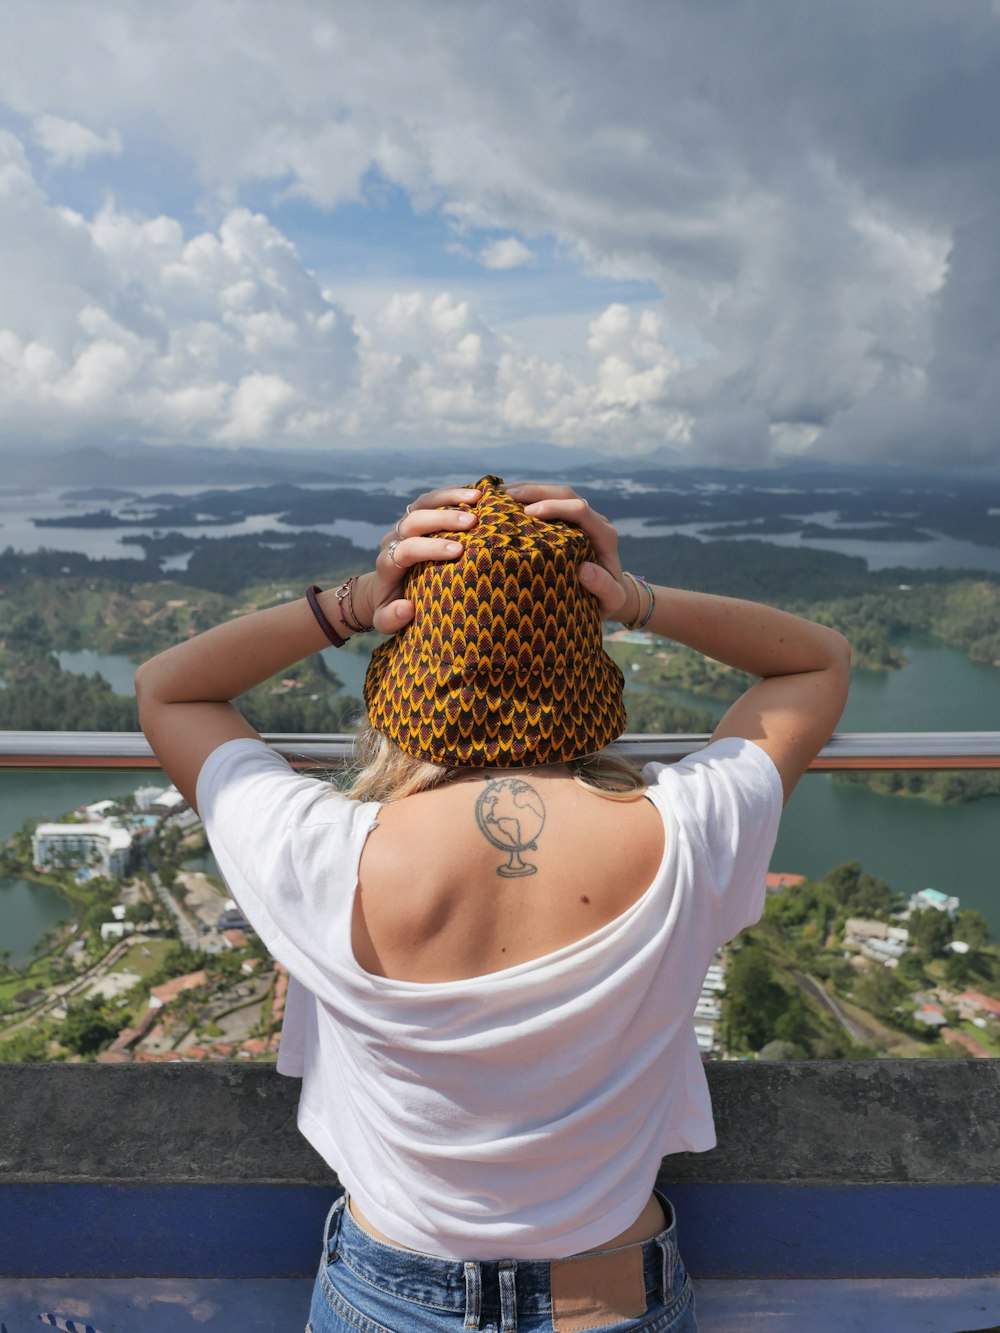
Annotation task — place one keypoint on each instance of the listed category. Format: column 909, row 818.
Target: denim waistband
column 471, row 1286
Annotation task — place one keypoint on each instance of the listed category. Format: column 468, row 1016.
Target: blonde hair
column 384, row 772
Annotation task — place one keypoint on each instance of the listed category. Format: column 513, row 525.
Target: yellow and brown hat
column 502, row 665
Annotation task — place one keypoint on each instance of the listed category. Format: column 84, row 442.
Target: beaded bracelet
column 641, row 583
column 311, row 597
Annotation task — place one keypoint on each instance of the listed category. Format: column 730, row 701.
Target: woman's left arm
column 184, row 693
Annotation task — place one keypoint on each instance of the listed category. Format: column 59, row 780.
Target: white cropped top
column 522, row 1114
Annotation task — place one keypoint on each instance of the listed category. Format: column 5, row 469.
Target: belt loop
column 334, row 1217
column 508, row 1296
column 473, row 1295
column 667, row 1249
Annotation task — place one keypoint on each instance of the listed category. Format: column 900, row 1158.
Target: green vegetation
column 943, row 787
column 87, row 1027
column 790, row 982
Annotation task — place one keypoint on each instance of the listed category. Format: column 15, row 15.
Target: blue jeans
column 366, row 1286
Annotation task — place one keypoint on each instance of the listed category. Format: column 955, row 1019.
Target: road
column 67, row 989
column 853, row 1029
column 186, row 929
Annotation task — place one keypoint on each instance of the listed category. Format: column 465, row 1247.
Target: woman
column 496, row 943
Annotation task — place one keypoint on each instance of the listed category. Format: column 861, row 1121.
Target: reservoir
column 913, row 844
column 28, row 910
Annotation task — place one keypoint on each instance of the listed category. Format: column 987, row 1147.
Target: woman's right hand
column 616, row 594
column 411, row 541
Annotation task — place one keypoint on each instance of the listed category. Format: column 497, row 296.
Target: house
column 162, row 995
column 858, row 930
column 775, row 881
column 941, row 902
column 931, row 1015
column 977, row 1002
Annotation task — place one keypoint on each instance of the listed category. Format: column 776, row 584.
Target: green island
column 57, row 601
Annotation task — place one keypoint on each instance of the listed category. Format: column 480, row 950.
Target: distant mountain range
column 119, row 465
column 181, row 465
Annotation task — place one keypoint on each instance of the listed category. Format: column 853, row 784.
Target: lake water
column 28, row 910
column 117, row 670
column 913, row 844
column 17, row 530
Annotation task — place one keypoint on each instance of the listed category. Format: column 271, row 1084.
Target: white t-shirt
column 521, row 1114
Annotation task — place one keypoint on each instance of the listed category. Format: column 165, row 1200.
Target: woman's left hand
column 379, row 596
column 617, row 595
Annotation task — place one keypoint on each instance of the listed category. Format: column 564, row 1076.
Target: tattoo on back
column 510, row 815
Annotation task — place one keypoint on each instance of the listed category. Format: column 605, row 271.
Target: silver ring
column 409, row 506
column 399, row 535
column 390, row 551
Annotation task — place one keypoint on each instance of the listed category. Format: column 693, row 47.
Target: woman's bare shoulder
column 478, row 876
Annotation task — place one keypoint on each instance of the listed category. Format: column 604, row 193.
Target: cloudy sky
column 737, row 230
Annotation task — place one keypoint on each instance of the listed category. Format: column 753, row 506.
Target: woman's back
column 434, row 904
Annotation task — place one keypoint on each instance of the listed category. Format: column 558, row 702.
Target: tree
column 881, row 991
column 779, row 1050
column 85, row 1029
column 930, row 930
column 842, row 881
column 972, row 927
column 754, row 1000
column 957, row 971
column 26, row 1048
column 911, row 970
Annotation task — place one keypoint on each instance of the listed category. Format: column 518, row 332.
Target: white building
column 99, row 810
column 884, row 951
column 158, row 800
column 943, row 902
column 103, row 845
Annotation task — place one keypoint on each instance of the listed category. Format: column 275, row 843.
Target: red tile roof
column 176, row 985
column 977, row 1000
column 782, row 880
column 976, row 1049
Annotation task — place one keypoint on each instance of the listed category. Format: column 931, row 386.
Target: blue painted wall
column 726, row 1230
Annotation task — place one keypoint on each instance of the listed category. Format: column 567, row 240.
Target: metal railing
column 846, row 750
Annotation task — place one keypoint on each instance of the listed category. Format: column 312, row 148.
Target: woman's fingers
column 400, row 554
column 419, row 522
column 576, row 510
column 612, row 597
column 605, row 580
column 427, row 514
column 392, row 616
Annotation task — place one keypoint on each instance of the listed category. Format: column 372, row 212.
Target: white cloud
column 68, row 143
column 507, row 252
column 814, row 197
column 225, row 336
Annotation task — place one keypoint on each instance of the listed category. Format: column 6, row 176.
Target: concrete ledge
column 809, row 1122
column 883, row 1169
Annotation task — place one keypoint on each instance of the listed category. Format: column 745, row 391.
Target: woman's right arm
column 804, row 667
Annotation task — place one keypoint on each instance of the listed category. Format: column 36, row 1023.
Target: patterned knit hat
column 502, row 664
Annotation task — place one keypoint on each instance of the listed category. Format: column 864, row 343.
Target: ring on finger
column 390, row 551
column 399, row 535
